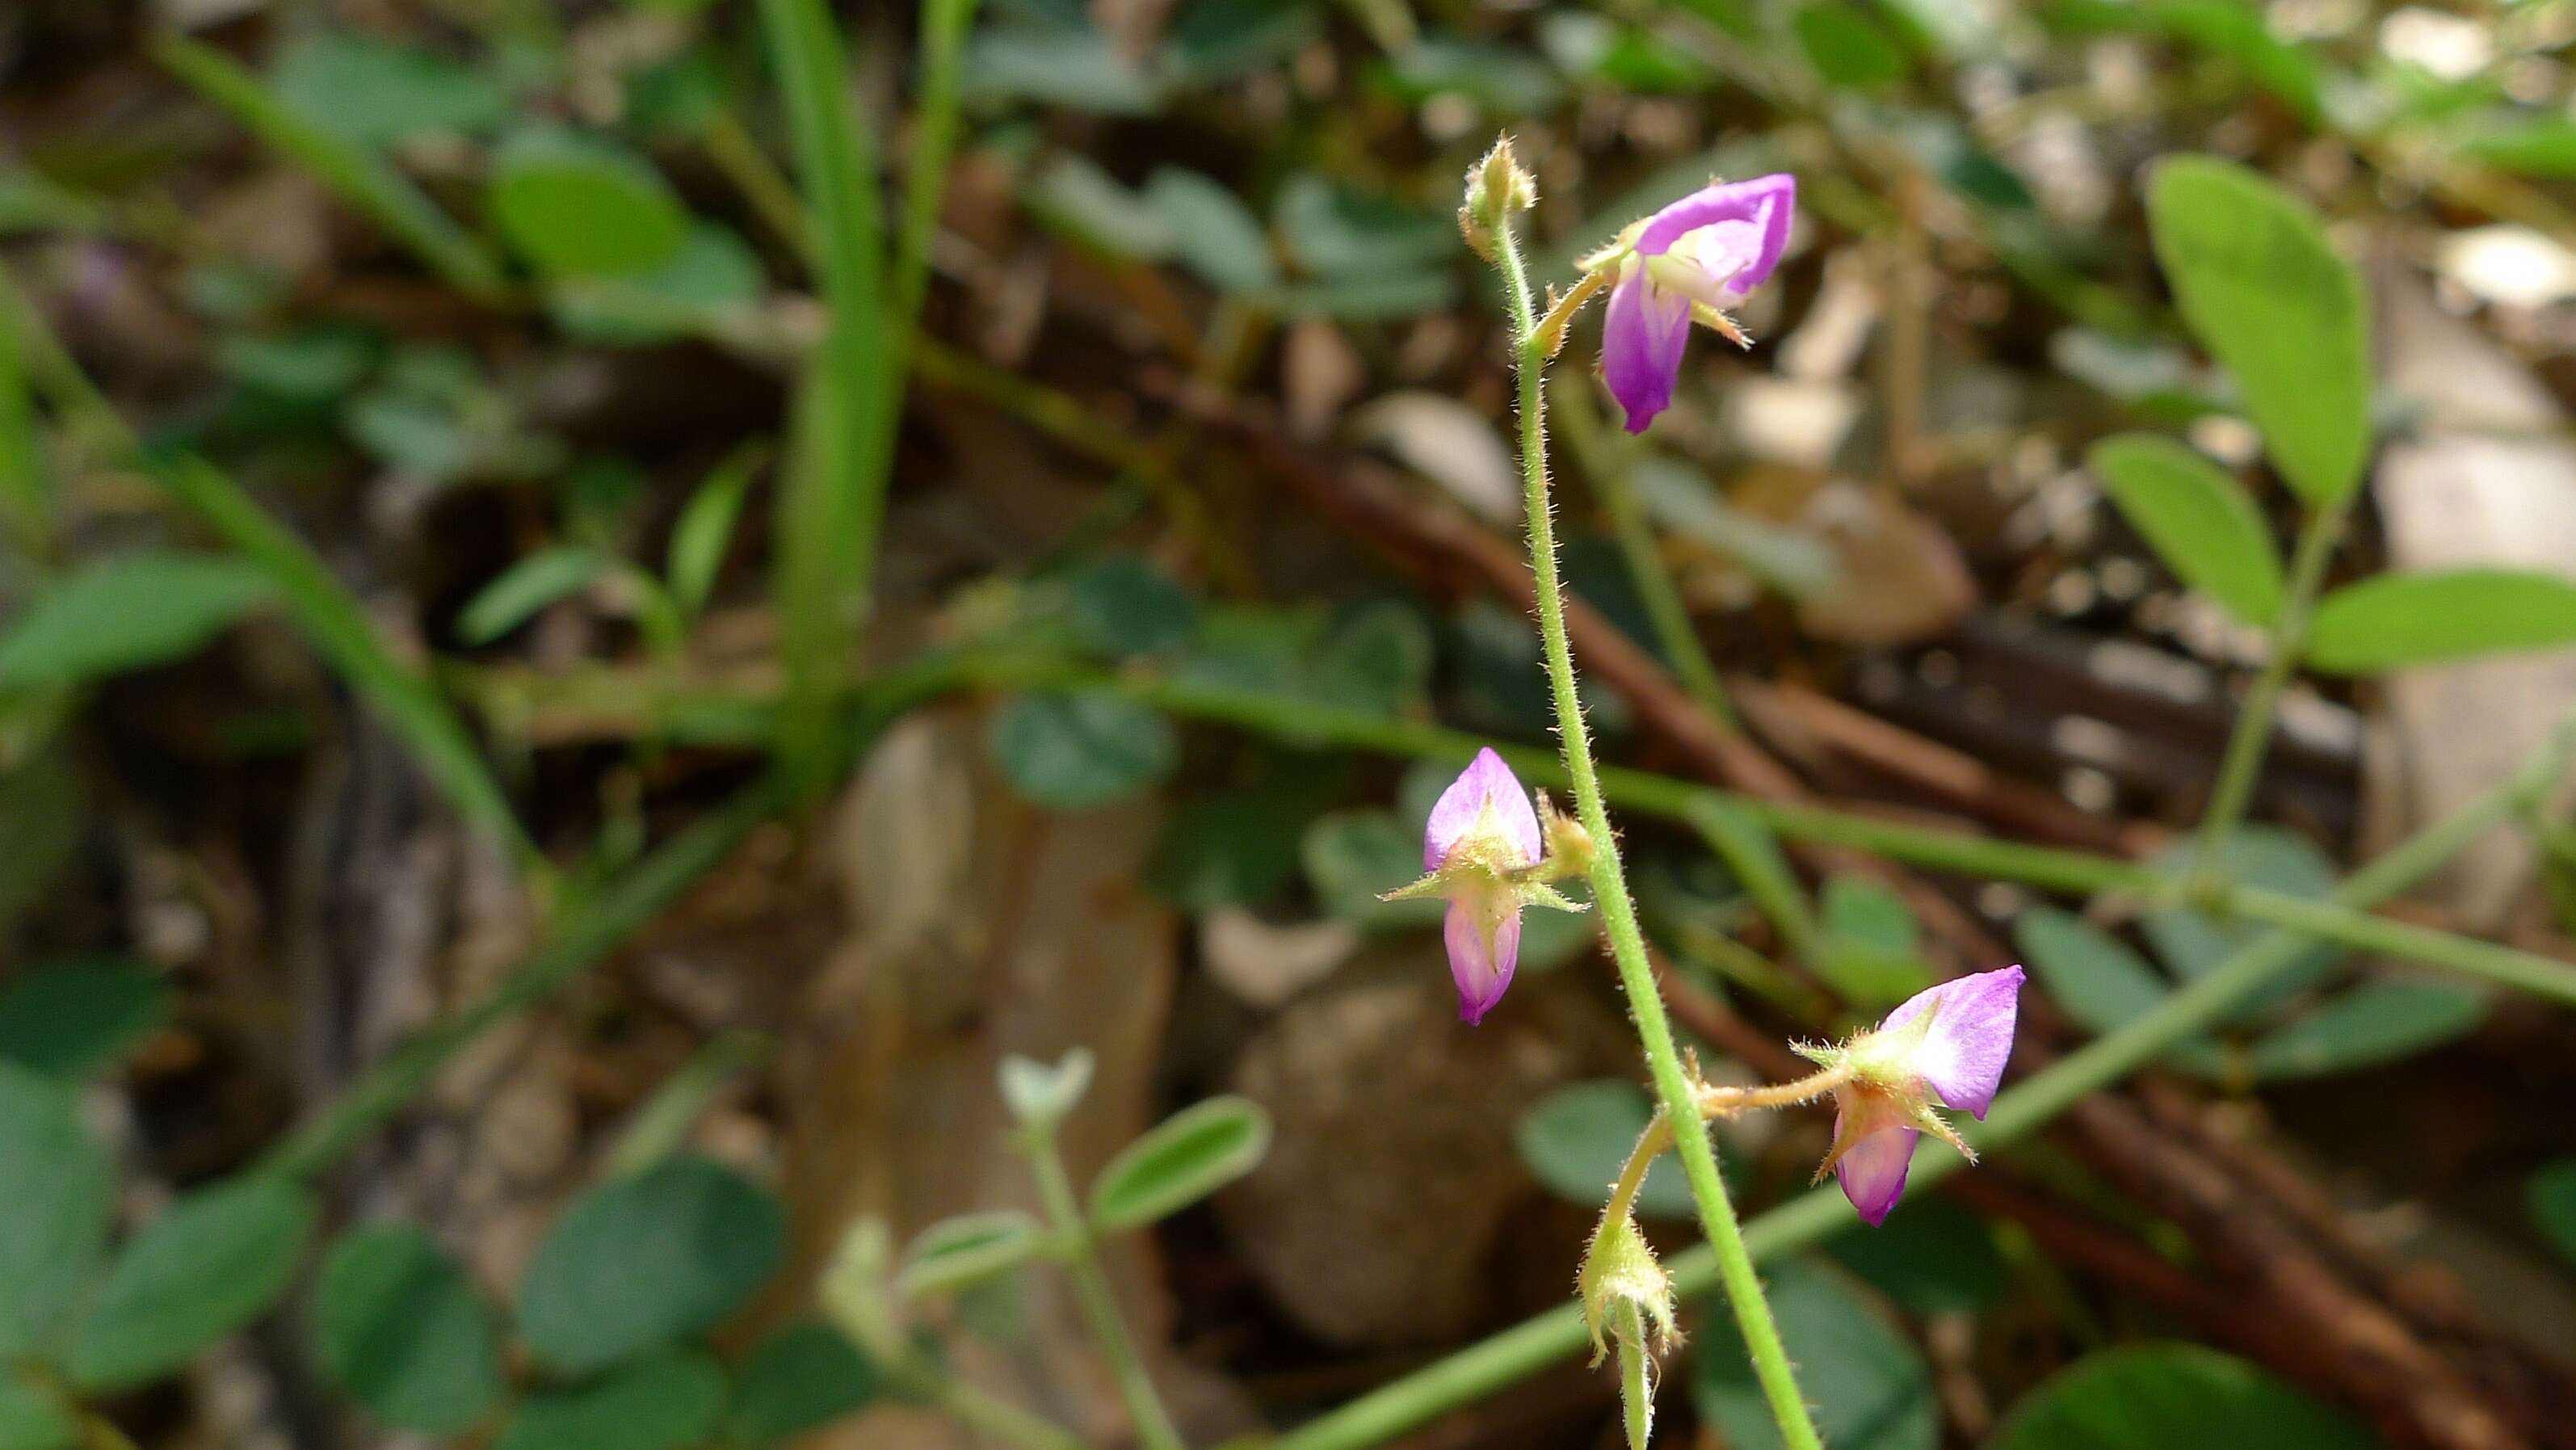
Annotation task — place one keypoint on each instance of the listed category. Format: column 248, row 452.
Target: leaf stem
column 1080, row 1253
column 2247, row 744
column 1610, row 885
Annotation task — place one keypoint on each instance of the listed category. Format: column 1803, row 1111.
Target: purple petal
column 1641, row 345
column 1962, row 1053
column 1766, row 201
column 1872, row 1171
column 1485, row 781
column 1481, row 970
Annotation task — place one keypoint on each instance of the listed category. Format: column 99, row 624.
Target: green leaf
column 517, row 594
column 1377, row 659
column 2099, row 981
column 1333, row 231
column 2197, row 518
column 1222, row 40
column 638, row 1263
column 1074, row 196
column 2269, row 297
column 2159, row 1396
column 1578, row 1137
column 374, row 93
column 71, row 1019
column 1354, row 857
column 1074, row 69
column 967, row 1249
column 1503, row 80
column 579, row 206
column 2551, row 1196
column 662, row 1402
column 2393, row 620
column 1179, row 1161
column 127, row 612
column 2375, row 1023
column 1232, row 847
column 32, row 1419
column 2528, row 143
column 2236, row 31
column 1216, row 235
column 1867, row 1381
column 2193, row 944
column 802, row 1377
column 1846, row 49
column 1932, row 1256
column 704, row 532
column 1124, row 606
column 213, row 1262
column 1077, row 751
column 714, row 275
column 401, row 1330
column 61, row 1195
column 1873, row 945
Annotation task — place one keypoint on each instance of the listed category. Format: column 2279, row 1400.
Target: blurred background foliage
column 605, row 608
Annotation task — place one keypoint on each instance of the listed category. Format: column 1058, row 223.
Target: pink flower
column 1482, row 832
column 1490, row 853
column 1947, row 1043
column 1690, row 261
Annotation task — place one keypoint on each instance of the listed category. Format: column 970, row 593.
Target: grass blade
column 362, row 179
column 833, row 496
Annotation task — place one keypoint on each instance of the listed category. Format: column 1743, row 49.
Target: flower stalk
column 1609, row 880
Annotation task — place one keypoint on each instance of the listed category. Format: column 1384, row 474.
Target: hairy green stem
column 1092, row 1291
column 1610, row 886
column 2247, row 744
column 1481, row 1369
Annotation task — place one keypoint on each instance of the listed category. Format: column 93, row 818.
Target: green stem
column 1481, row 1369
column 1724, row 818
column 997, row 1418
column 1610, row 886
column 1609, row 462
column 2242, row 765
column 934, row 139
column 1091, row 1290
column 834, row 491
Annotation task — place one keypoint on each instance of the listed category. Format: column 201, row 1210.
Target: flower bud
column 1497, row 187
column 1621, row 1277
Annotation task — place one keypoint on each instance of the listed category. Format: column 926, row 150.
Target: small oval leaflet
column 663, row 1402
column 1577, row 1137
column 2157, row 1396
column 2197, row 518
column 956, row 1252
column 2393, row 620
column 803, row 1376
column 400, row 1328
column 1081, row 750
column 62, row 1191
column 215, row 1261
column 644, row 1260
column 1179, row 1161
column 2268, row 295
